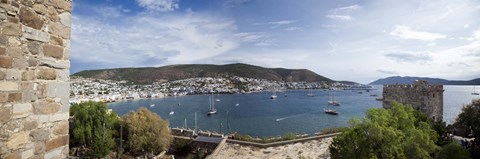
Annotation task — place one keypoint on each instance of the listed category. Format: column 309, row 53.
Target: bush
column 453, row 150
column 289, row 136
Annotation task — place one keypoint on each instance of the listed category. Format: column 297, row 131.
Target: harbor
column 292, row 111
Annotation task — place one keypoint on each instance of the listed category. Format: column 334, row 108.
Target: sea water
column 292, row 111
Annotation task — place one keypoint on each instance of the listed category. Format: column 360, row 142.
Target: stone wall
column 34, row 78
column 422, row 96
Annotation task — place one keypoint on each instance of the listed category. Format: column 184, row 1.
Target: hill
column 411, row 80
column 177, row 72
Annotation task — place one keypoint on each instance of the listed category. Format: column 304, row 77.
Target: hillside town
column 88, row 89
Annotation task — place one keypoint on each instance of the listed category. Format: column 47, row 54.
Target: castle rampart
column 421, row 95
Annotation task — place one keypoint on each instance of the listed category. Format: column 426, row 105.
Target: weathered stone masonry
column 422, row 96
column 34, row 78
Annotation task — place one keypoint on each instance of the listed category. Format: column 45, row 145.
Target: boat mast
column 195, row 132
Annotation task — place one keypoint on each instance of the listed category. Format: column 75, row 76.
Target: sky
column 354, row 40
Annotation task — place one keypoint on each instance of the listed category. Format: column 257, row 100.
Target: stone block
column 28, row 75
column 40, row 8
column 5, row 114
column 30, row 125
column 52, row 14
column 3, row 51
column 56, row 143
column 54, row 63
column 22, row 110
column 8, row 86
column 66, row 19
column 8, row 28
column 14, row 41
column 14, row 155
column 3, row 97
column 59, row 117
column 15, row 20
column 17, row 139
column 62, row 4
column 29, row 18
column 15, row 52
column 40, row 135
column 53, row 51
column 6, row 62
column 34, row 47
column 20, row 63
column 56, row 40
column 45, row 107
column 33, row 34
column 42, row 90
column 60, row 30
column 3, row 40
column 15, row 97
column 66, row 54
column 55, row 154
column 46, row 74
column 27, row 154
column 63, row 75
column 3, row 74
column 58, row 89
column 60, row 128
column 39, row 147
column 13, row 74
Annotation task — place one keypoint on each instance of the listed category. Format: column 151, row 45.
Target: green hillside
column 177, row 72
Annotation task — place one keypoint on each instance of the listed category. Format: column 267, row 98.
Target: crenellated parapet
column 421, row 95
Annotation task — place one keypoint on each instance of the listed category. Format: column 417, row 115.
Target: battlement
column 421, row 95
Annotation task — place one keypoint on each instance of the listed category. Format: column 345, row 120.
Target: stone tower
column 422, row 96
column 34, row 78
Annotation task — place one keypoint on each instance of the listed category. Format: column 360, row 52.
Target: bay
column 292, row 111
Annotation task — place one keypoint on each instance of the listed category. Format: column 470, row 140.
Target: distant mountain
column 411, row 80
column 177, row 72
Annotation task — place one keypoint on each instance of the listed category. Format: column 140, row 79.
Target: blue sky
column 344, row 40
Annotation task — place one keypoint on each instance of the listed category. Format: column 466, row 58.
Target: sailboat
column 274, row 95
column 331, row 111
column 212, row 107
column 474, row 93
column 332, row 100
column 171, row 111
column 310, row 94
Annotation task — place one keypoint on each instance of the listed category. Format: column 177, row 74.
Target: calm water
column 256, row 114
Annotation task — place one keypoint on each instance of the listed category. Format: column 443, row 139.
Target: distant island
column 411, row 80
column 147, row 75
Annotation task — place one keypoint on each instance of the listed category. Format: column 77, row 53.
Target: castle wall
column 34, row 78
column 422, row 96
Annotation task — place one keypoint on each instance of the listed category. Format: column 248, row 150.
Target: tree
column 93, row 127
column 470, row 117
column 147, row 132
column 453, row 150
column 399, row 132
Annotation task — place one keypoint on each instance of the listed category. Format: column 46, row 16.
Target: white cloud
column 276, row 24
column 111, row 12
column 255, row 38
column 476, row 34
column 292, row 28
column 159, row 5
column 408, row 56
column 387, row 72
column 352, row 7
column 234, row 3
column 146, row 40
column 339, row 17
column 406, row 32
